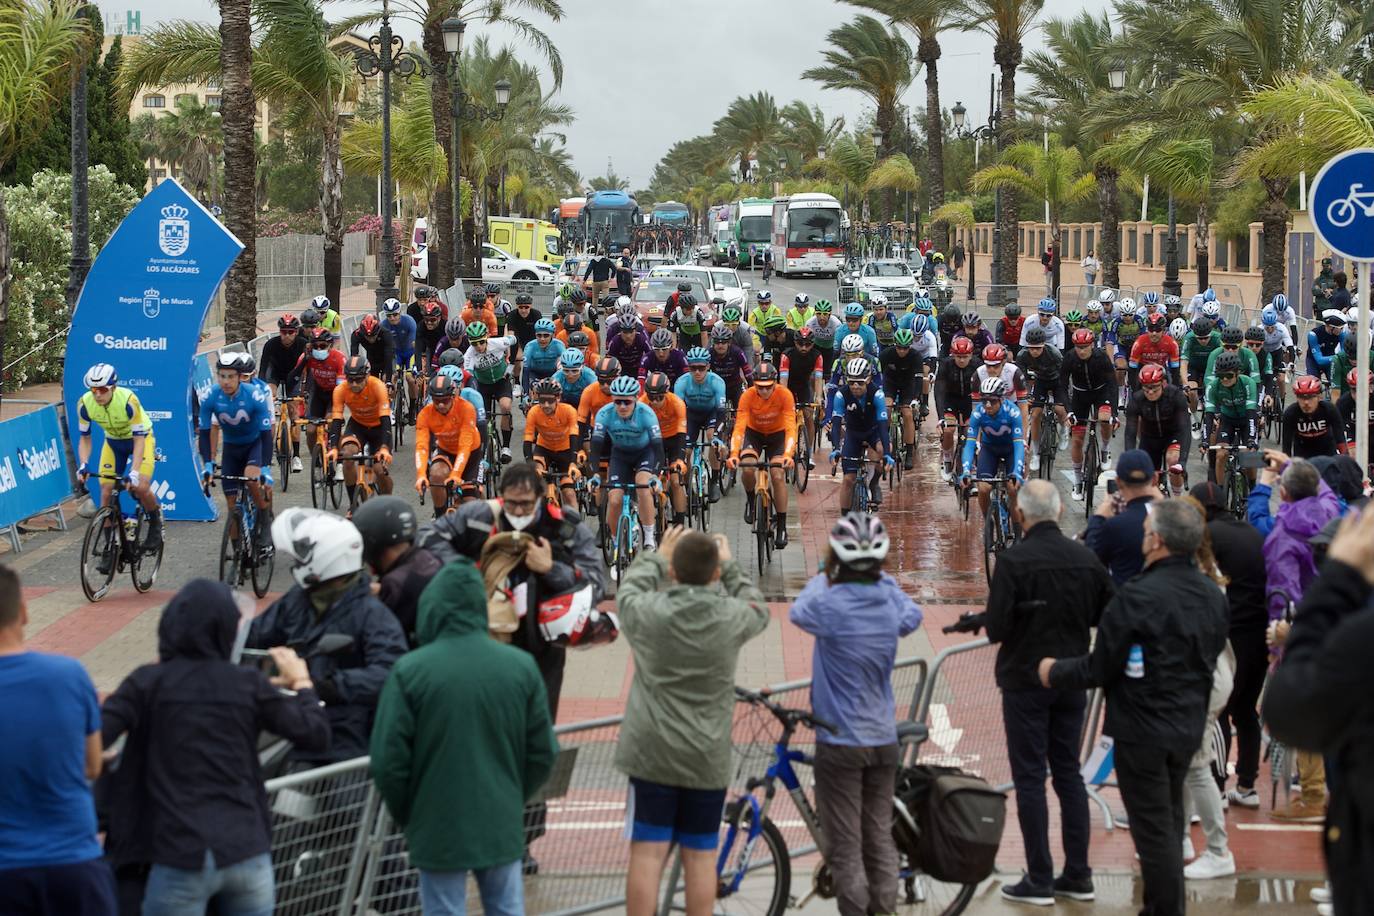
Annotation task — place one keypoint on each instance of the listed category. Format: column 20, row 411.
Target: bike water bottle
column 1135, row 662
column 131, row 527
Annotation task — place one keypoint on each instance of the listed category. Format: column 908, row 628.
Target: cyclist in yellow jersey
column 762, row 311
column 129, row 449
column 329, row 318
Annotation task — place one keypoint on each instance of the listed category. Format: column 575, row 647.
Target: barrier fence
column 37, row 468
column 542, row 291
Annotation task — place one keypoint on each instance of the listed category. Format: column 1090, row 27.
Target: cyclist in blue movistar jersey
column 852, row 347
column 574, row 376
column 630, row 428
column 995, row 430
column 244, row 418
column 861, row 407
column 402, row 329
column 541, row 356
column 703, row 393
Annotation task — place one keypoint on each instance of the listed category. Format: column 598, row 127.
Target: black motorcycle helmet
column 384, row 521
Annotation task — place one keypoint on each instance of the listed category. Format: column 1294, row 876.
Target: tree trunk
column 1007, row 56
column 1109, row 210
column 238, row 107
column 1202, row 253
column 886, row 120
column 471, row 245
column 4, row 288
column 441, row 107
column 928, row 52
column 331, row 212
column 1274, row 216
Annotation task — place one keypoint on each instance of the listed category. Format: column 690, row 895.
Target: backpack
column 949, row 822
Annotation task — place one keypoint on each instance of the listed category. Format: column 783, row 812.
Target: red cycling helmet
column 1151, row 374
column 805, row 333
column 993, row 353
column 321, row 338
column 1083, row 338
column 369, row 326
column 432, row 310
column 1352, row 378
column 961, row 346
column 288, row 322
column 1308, row 385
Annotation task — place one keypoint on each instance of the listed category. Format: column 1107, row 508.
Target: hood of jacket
column 1342, row 474
column 1305, row 517
column 453, row 604
column 201, row 621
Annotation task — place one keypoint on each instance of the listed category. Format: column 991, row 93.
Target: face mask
column 519, row 522
column 320, row 354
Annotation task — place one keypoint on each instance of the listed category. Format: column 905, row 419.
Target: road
column 937, row 556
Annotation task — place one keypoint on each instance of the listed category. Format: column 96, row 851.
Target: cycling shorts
column 320, row 403
column 959, row 408
column 658, row 813
column 494, row 391
column 901, row 392
column 1044, row 391
column 1235, row 430
column 405, row 358
column 624, row 465
column 697, row 420
column 465, row 465
column 766, row 445
column 557, row 462
column 371, row 437
column 1197, row 371
column 803, row 391
column 675, row 447
column 993, row 456
column 238, row 457
column 1156, row 447
column 855, row 446
column 115, row 455
column 1088, row 405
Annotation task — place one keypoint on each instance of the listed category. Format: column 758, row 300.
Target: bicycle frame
column 780, row 770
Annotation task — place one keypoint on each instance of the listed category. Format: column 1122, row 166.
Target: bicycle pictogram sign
column 1342, row 204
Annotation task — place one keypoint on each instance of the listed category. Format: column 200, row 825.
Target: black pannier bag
column 952, row 823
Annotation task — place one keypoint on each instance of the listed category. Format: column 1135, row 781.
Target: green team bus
column 751, row 227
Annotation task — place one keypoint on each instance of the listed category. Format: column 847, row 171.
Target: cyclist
column 247, row 369
column 777, row 339
column 623, row 313
column 994, row 431
column 824, row 326
column 1127, row 329
column 1268, row 376
column 663, row 357
column 129, row 450
column 595, row 397
column 927, row 346
column 1158, row 414
column 921, row 305
column 1042, row 366
column 493, row 291
column 955, row 383
column 1231, row 340
column 671, row 412
column 1045, row 319
column 428, row 332
column 280, row 355
column 541, row 355
column 971, row 326
column 520, row 320
column 766, row 426
column 1072, row 322
column 675, row 298
column 570, row 325
column 1196, row 351
column 1231, row 410
column 1107, row 301
column 763, row 310
column 244, row 419
column 883, row 322
column 741, row 335
column 328, row 317
column 1090, row 380
column 1095, row 322
column 574, row 376
column 424, row 296
column 376, row 345
column 402, row 329
column 862, row 408
column 854, row 324
column 688, row 321
column 486, row 358
column 703, row 394
column 1312, row 426
column 1346, row 358
column 1346, row 406
column 321, row 368
column 800, row 313
column 1009, row 327
column 369, row 425
column 629, row 345
column 799, row 371
column 628, row 430
column 1154, row 346
column 448, row 442
column 729, row 362
column 475, row 310
column 904, row 382
column 552, row 437
column 851, row 347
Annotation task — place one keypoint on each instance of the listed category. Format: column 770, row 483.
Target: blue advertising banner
column 141, row 310
column 33, row 465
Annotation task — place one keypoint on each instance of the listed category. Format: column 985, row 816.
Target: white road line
column 1280, row 828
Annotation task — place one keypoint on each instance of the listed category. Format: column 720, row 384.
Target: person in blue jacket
column 541, row 355
column 1322, row 343
column 629, row 427
column 703, row 394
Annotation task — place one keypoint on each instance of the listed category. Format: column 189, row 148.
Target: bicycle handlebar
column 788, row 717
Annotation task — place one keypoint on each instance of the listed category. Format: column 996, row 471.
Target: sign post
column 1343, row 213
column 141, row 310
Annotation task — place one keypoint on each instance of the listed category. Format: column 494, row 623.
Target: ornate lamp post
column 385, row 56
column 80, row 261
column 985, row 132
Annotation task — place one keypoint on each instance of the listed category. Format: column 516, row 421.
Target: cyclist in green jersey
column 1194, row 352
column 329, row 316
column 1231, row 410
column 763, row 310
column 882, row 321
column 1231, row 340
column 800, row 313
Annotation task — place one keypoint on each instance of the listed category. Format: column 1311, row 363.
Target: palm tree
column 1057, row 175
column 850, row 164
column 608, row 182
column 418, row 162
column 1008, row 22
column 1309, row 119
column 193, row 138
column 143, row 130
column 808, row 129
column 750, row 124
column 874, row 60
column 238, row 110
column 958, row 213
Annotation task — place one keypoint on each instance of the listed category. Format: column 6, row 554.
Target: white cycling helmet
column 1094, row 308
column 1178, row 329
column 320, row 303
column 1126, row 306
column 101, row 375
column 320, row 546
column 852, row 343
column 1107, row 295
column 622, row 303
column 859, row 540
column 857, row 369
column 565, row 621
column 802, row 300
column 1211, row 310
column 877, row 299
column 993, row 387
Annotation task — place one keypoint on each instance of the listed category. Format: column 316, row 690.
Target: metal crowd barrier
column 541, row 291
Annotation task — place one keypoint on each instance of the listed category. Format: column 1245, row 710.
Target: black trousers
column 1241, row 716
column 1047, row 725
column 1151, row 780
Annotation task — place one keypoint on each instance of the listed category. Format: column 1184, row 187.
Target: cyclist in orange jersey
column 672, row 420
column 369, row 423
column 446, row 439
column 766, row 422
column 552, row 436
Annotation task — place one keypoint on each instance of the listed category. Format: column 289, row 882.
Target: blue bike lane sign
column 1342, row 205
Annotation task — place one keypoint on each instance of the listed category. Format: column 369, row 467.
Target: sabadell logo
column 130, row 343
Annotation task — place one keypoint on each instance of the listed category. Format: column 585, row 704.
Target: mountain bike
column 112, row 532
column 999, row 529
column 240, row 555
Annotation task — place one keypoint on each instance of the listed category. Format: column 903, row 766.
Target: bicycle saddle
column 912, row 732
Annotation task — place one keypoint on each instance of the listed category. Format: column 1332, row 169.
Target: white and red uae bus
column 807, row 235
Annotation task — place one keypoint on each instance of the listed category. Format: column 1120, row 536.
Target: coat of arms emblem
column 174, row 231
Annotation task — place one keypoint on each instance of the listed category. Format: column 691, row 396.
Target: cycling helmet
column 1035, row 337
column 993, row 387
column 859, row 541
column 1157, row 323
column 1173, row 302
column 1046, row 305
column 774, row 322
column 493, row 289
column 1126, row 308
column 384, row 521
column 1073, row 317
column 524, row 299
column 320, row 303
column 456, row 327
column 570, row 624
column 623, row 304
column 1209, row 295
column 971, row 320
column 763, row 296
column 903, row 337
column 923, row 305
column 1211, row 310
column 451, row 357
column 230, row 359
column 571, row 322
column 319, row 546
column 857, row 369
column 698, row 356
column 721, row 334
column 320, row 337
column 579, row 296
column 1094, row 309
column 392, row 306
column 919, row 324
column 766, row 372
column 1254, row 333
column 852, row 343
column 547, row 387
column 624, row 387
column 662, row 339
column 1306, row 386
column 937, row 257
column 247, row 364
column 823, row 307
column 1352, row 379
column 101, row 375
column 1333, row 317
column 731, row 313
column 802, row 300
column 544, row 326
column 687, row 301
column 310, row 318
column 1280, row 302
column 1228, row 363
column 579, row 339
column 1150, row 297
column 1151, row 374
column 1232, row 336
column 572, row 358
column 476, row 331
column 370, row 326
column 853, row 310
column 477, row 295
column 356, row 367
column 608, row 367
column 431, row 310
column 1012, row 310
column 446, row 382
column 877, row 300
column 1107, row 295
column 426, row 292
column 656, row 383
column 684, row 287
column 1178, row 328
column 961, row 346
column 1083, row 338
column 288, row 322
column 1202, row 327
column 994, row 353
column 805, row 334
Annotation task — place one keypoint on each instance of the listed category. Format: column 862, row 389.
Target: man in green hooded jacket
column 463, row 739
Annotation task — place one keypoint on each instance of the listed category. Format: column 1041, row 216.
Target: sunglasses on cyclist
column 286, row 332
column 698, row 368
column 548, row 402
column 101, row 389
column 622, row 402
column 442, row 398
column 806, row 343
column 1155, row 387
column 524, row 305
column 1227, row 376
column 1232, row 347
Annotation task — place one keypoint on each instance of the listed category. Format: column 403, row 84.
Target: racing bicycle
column 799, row 475
column 999, row 528
column 629, row 535
column 240, row 555
column 699, row 483
column 763, row 510
column 112, row 531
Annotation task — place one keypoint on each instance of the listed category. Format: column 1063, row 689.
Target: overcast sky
column 643, row 74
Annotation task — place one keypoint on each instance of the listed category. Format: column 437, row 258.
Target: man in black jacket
column 599, row 271
column 1319, row 699
column 1046, row 593
column 1156, row 649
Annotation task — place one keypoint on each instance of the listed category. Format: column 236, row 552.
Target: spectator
column 957, row 257
column 624, row 273
column 1239, row 552
column 857, row 613
column 1155, row 654
column 388, row 527
column 50, row 859
column 1319, row 699
column 462, row 704
column 1114, row 532
column 187, row 796
column 1091, row 265
column 1340, row 294
column 1047, row 592
column 674, row 745
column 332, row 595
column 599, row 270
column 1322, row 287
column 1047, row 261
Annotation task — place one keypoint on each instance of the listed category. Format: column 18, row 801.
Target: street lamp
column 981, row 133
column 384, row 55
column 877, row 138
column 1116, row 77
column 464, row 107
column 820, row 153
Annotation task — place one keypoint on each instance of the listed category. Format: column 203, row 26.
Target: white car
column 498, row 265
column 889, row 276
column 719, row 281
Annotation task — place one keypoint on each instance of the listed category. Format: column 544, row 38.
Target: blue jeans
column 242, row 889
column 502, row 887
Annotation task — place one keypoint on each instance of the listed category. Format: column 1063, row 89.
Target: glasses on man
column 623, row 402
column 1157, row 386
column 287, row 332
column 699, row 368
column 1227, row 376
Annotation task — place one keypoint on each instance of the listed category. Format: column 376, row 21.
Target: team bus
column 751, row 225
column 614, row 209
column 808, row 235
column 718, row 225
column 671, row 213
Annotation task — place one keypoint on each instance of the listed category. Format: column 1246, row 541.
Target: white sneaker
column 1195, row 819
column 1320, row 894
column 1245, row 798
column 1188, row 852
column 1210, row 865
column 1325, row 909
column 296, row 466
column 1035, row 461
column 1078, row 491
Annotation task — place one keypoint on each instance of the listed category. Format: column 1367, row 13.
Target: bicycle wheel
column 284, row 452
column 319, row 487
column 991, row 538
column 860, row 501
column 1090, row 471
column 398, row 413
column 623, row 550
column 334, row 485
column 229, row 555
column 264, row 563
column 801, row 472
column 704, row 494
column 753, row 877
column 1237, row 491
column 101, row 540
column 1049, row 447
column 763, row 534
column 146, row 564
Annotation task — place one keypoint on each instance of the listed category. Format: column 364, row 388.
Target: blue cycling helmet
column 853, row 310
column 453, row 372
column 1046, row 305
column 923, row 306
column 919, row 325
column 1150, row 298
column 391, row 306
column 1269, row 316
column 625, row 387
column 699, row 356
column 1280, row 302
column 572, row 358
column 1209, row 295
column 543, row 326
